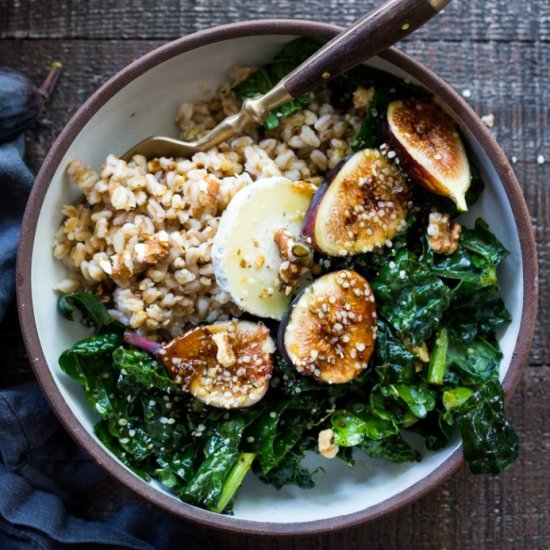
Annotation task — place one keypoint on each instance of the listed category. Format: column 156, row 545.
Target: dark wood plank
column 134, row 19
column 495, row 49
column 507, row 80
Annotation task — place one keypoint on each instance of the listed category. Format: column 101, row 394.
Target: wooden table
column 497, row 53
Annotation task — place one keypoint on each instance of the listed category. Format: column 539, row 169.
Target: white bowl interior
column 148, row 106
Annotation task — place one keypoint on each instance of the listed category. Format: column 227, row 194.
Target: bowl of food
column 301, row 329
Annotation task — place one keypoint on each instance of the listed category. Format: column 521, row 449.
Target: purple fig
column 21, row 102
column 429, row 148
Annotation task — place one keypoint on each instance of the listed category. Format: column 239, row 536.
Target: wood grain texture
column 483, row 20
column 500, row 52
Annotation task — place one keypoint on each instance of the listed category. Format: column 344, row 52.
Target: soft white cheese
column 245, row 256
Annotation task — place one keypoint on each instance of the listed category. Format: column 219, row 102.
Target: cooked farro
column 143, row 233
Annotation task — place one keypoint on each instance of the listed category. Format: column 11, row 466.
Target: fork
column 368, row 36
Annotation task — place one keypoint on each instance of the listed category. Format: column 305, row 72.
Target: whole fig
column 21, row 101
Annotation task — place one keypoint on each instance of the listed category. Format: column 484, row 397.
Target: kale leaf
column 356, row 423
column 265, row 78
column 393, row 449
column 490, row 443
column 272, row 439
column 420, row 399
column 481, row 241
column 411, row 297
column 465, row 267
column 371, row 131
column 175, row 467
column 437, row 432
column 475, row 361
column 391, row 350
column 290, row 470
column 94, row 313
column 478, row 313
column 220, row 451
column 140, row 370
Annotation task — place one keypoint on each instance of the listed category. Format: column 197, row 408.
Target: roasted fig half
column 330, row 330
column 429, row 148
column 225, row 365
column 361, row 207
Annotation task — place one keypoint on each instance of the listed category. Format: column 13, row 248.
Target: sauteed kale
column 434, row 369
column 202, row 453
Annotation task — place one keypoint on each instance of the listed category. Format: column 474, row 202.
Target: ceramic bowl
column 142, row 100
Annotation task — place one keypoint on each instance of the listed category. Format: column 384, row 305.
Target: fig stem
column 49, row 83
column 143, row 343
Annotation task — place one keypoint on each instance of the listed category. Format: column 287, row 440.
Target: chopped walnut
column 225, row 354
column 153, row 250
column 123, row 266
column 362, row 98
column 284, row 240
column 327, row 447
column 443, row 233
column 297, row 260
column 289, row 275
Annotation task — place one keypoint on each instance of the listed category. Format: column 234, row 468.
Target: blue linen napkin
column 15, row 183
column 43, row 474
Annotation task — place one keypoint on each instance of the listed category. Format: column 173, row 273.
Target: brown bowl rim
column 24, row 259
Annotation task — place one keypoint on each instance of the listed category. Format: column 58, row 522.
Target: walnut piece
column 362, row 98
column 327, row 447
column 225, row 354
column 123, row 266
column 297, row 260
column 284, row 240
column 443, row 233
column 153, row 250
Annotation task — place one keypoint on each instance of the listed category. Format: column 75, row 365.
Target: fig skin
column 366, row 205
column 21, row 102
column 449, row 175
column 323, row 350
column 308, row 226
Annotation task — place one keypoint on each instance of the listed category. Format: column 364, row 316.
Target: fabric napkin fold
column 15, row 184
column 43, row 474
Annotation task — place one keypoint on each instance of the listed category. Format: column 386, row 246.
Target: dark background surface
column 497, row 50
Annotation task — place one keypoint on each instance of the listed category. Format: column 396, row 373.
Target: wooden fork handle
column 370, row 35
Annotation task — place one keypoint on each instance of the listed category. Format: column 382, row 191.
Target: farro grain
column 143, row 233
